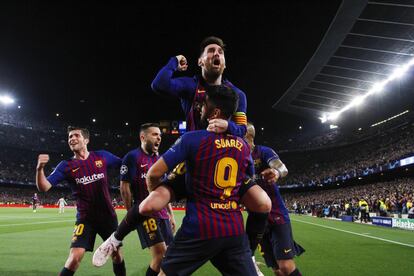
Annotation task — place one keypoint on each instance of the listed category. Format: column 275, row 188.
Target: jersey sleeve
column 238, row 124
column 269, row 155
column 112, row 160
column 178, row 152
column 165, row 83
column 127, row 168
column 58, row 174
column 250, row 167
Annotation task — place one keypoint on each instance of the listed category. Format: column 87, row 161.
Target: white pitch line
column 40, row 222
column 354, row 233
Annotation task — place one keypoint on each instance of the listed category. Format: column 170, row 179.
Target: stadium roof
column 366, row 42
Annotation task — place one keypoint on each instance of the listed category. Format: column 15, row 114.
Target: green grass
column 38, row 244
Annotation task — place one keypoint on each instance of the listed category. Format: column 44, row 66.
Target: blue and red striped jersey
column 216, row 166
column 135, row 166
column 262, row 156
column 191, row 92
column 88, row 180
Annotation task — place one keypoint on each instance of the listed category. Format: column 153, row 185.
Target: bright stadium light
column 6, row 100
column 94, row 120
column 357, row 100
column 377, row 87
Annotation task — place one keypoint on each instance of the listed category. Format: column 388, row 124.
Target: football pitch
column 38, row 244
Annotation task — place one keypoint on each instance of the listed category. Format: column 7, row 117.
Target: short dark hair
column 146, row 126
column 211, row 40
column 224, row 98
column 84, row 131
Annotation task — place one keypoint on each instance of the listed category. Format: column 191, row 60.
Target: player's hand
column 42, row 160
column 182, row 63
column 218, row 125
column 173, row 225
column 270, row 175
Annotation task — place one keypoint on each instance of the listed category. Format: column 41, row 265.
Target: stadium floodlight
column 333, row 116
column 357, row 100
column 6, row 100
column 377, row 87
column 324, row 118
column 399, row 72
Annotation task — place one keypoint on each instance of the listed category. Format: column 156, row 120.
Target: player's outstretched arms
column 42, row 183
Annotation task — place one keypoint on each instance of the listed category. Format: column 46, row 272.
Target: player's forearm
column 162, row 82
column 170, row 210
column 278, row 165
column 237, row 130
column 42, row 183
column 126, row 195
column 155, row 174
column 153, row 182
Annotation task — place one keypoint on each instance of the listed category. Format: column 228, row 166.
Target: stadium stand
column 332, row 159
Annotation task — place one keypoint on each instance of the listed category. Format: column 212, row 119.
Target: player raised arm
column 42, row 183
column 165, row 83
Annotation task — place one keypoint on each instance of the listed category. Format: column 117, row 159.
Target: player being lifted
column 87, row 175
column 192, row 93
column 62, row 203
column 278, row 245
column 154, row 232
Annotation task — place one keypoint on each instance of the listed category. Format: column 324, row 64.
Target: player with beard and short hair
column 87, row 174
column 191, row 91
column 156, row 231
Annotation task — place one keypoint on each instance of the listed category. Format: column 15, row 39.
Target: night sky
column 97, row 60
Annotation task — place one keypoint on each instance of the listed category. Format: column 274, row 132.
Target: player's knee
column 74, row 259
column 286, row 266
column 145, row 208
column 264, row 204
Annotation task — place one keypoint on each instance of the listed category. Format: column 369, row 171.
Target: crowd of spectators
column 397, row 195
column 315, row 168
column 20, row 143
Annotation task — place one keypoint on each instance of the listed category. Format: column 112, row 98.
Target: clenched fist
column 182, row 63
column 42, row 160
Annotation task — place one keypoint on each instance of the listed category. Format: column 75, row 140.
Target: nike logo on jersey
column 143, row 165
column 287, row 250
column 75, row 170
